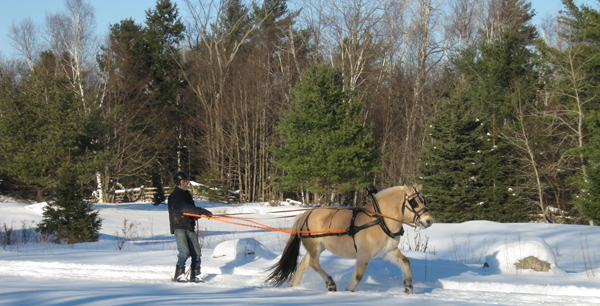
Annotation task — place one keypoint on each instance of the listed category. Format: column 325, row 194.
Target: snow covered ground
column 134, row 260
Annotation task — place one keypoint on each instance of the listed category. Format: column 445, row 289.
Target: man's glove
column 207, row 213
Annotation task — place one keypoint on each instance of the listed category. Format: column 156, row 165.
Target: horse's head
column 414, row 207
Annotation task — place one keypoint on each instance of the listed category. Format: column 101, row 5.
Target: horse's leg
column 302, row 267
column 329, row 283
column 401, row 261
column 359, row 271
column 313, row 251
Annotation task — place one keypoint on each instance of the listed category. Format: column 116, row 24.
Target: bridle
column 413, row 205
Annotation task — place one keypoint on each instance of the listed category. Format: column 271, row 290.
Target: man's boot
column 195, row 275
column 179, row 274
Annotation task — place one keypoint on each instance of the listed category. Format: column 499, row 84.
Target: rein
column 351, row 231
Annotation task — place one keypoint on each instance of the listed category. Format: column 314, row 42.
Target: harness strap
column 371, row 190
column 351, row 231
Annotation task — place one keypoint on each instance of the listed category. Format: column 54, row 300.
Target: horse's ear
column 420, row 187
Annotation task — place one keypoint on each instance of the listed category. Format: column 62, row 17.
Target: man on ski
column 180, row 201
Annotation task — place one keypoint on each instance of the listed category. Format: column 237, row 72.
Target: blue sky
column 112, row 11
column 106, row 12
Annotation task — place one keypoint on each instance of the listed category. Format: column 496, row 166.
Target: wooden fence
column 146, row 194
column 141, row 194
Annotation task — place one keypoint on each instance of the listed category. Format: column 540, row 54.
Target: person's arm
column 180, row 205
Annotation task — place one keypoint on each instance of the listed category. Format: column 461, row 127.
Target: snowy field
column 134, row 260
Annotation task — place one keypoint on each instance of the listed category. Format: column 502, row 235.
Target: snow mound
column 242, row 249
column 533, row 256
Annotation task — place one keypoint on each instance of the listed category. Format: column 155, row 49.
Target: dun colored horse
column 371, row 231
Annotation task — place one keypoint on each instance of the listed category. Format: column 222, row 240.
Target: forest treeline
column 314, row 100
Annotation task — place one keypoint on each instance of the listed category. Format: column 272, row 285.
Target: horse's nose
column 429, row 222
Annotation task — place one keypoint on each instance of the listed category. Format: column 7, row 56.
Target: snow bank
column 242, row 249
column 516, row 257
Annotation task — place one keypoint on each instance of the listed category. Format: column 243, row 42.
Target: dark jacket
column 180, row 201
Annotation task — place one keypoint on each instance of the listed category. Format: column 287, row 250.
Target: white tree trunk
column 99, row 190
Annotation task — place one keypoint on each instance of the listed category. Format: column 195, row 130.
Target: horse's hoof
column 331, row 286
column 408, row 290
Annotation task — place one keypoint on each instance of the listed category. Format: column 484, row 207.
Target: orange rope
column 305, row 209
column 261, row 226
column 378, row 214
column 223, row 218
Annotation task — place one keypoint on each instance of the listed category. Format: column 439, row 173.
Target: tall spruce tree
column 163, row 32
column 467, row 176
column 70, row 218
column 41, row 125
column 326, row 149
column 468, row 166
column 236, row 20
column 584, row 37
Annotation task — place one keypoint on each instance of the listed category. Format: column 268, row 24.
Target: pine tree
column 70, row 218
column 467, row 176
column 468, row 165
column 270, row 12
column 326, row 147
column 41, row 125
column 235, row 20
column 164, row 30
column 584, row 37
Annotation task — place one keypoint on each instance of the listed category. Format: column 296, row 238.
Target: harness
column 352, row 230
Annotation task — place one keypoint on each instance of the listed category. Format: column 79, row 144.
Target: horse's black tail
column 287, row 264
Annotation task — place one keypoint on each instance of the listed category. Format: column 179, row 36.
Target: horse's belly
column 340, row 246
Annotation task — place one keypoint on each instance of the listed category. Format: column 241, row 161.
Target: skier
column 180, row 201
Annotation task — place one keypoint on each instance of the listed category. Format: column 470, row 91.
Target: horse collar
column 381, row 220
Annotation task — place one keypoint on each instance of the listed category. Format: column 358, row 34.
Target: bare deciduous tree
column 71, row 39
column 23, row 37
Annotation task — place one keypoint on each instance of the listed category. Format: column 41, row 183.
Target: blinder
column 414, row 205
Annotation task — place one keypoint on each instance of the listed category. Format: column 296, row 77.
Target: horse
column 371, row 231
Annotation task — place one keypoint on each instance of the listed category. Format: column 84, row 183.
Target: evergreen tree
column 235, row 20
column 493, row 69
column 163, row 32
column 326, row 149
column 584, row 35
column 70, row 218
column 469, row 168
column 467, row 176
column 133, row 138
column 588, row 200
column 41, row 125
column 270, row 12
